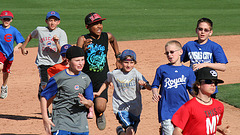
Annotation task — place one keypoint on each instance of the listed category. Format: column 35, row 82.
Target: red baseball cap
column 6, row 14
column 92, row 18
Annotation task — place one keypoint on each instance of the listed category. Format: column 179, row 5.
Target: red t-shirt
column 56, row 69
column 198, row 119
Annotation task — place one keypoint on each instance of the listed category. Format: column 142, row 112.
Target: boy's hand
column 55, row 39
column 156, row 95
column 83, row 100
column 24, row 51
column 16, row 49
column 141, row 82
column 86, row 43
column 47, row 123
column 96, row 94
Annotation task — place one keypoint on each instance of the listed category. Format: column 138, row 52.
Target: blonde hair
column 174, row 42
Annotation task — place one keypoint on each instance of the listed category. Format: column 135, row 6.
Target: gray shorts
column 167, row 127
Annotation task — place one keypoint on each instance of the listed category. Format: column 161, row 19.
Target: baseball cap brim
column 2, row 17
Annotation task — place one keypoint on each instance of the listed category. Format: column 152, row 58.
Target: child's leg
column 5, row 65
column 167, row 127
column 90, row 113
column 128, row 121
column 5, row 78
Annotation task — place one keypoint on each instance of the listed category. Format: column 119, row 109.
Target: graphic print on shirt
column 96, row 57
column 125, row 84
column 8, row 37
column 200, row 57
column 48, row 44
column 212, row 119
column 174, row 83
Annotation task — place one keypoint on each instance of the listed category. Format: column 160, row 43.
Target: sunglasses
column 7, row 19
column 207, row 81
column 171, row 52
column 205, row 30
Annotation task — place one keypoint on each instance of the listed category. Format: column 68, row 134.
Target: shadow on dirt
column 16, row 117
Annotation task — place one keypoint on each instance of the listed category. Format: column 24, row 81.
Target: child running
column 70, row 91
column 95, row 45
column 127, row 100
column 202, row 115
column 203, row 52
column 50, row 40
column 8, row 34
column 175, row 79
column 64, row 65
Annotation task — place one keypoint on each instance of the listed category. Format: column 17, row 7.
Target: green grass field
column 128, row 19
column 133, row 20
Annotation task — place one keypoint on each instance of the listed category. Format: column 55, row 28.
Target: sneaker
column 4, row 92
column 119, row 130
column 101, row 121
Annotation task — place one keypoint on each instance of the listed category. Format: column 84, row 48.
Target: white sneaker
column 4, row 92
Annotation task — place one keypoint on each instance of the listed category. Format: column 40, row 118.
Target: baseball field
column 143, row 26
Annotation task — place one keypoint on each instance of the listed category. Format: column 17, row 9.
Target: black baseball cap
column 92, row 18
column 74, row 52
column 207, row 73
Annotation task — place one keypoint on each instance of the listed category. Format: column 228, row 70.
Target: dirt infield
column 20, row 111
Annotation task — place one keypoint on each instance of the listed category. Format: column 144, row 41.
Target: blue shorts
column 127, row 119
column 62, row 132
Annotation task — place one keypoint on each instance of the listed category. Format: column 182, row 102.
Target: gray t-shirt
column 126, row 95
column 68, row 113
column 47, row 49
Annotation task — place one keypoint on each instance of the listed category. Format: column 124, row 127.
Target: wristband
column 118, row 55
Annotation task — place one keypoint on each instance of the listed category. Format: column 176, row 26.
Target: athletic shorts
column 43, row 74
column 127, row 119
column 62, row 132
column 104, row 94
column 167, row 127
column 6, row 63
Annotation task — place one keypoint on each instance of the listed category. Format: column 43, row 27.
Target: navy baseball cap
column 92, row 18
column 128, row 53
column 207, row 73
column 53, row 13
column 74, row 51
column 6, row 14
column 64, row 49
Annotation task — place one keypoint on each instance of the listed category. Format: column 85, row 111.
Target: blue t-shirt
column 210, row 52
column 174, row 81
column 7, row 38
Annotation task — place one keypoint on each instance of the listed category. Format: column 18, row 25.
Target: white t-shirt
column 47, row 49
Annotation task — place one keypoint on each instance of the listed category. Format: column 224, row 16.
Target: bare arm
column 113, row 43
column 103, row 87
column 177, row 131
column 216, row 66
column 18, row 46
column 47, row 123
column 223, row 130
column 83, row 43
column 144, row 84
column 28, row 39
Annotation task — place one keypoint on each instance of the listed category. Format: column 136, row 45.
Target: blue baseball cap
column 64, row 49
column 53, row 13
column 128, row 53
